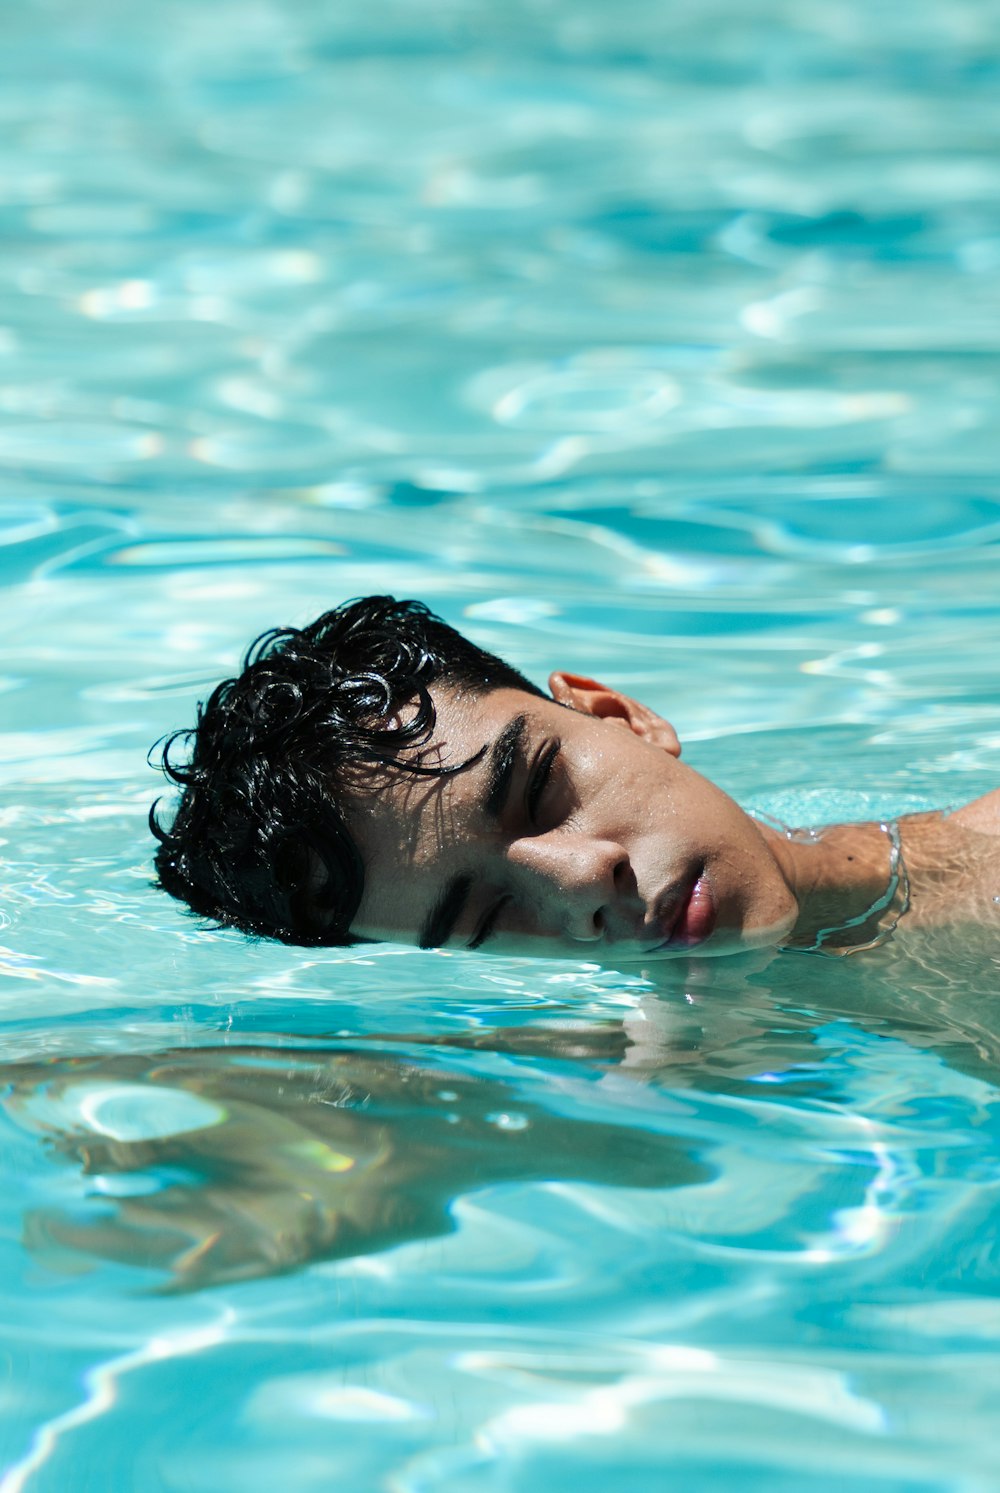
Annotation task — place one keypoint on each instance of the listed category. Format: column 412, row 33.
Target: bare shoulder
column 982, row 814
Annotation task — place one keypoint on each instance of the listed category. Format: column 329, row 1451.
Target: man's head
column 377, row 776
column 260, row 840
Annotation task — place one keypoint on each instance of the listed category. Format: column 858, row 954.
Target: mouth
column 689, row 917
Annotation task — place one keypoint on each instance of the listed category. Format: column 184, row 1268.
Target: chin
column 744, row 939
column 769, row 935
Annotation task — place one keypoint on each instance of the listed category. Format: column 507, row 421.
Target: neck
column 850, row 883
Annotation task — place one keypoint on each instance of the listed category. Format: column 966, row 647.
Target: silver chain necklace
column 888, row 908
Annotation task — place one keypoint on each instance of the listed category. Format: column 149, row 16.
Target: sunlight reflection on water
column 657, row 345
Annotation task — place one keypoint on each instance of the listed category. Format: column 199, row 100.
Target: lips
column 691, row 918
column 697, row 916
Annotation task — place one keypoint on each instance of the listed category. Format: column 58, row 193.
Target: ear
column 606, row 704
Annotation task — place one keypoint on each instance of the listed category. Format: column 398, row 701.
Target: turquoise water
column 657, row 342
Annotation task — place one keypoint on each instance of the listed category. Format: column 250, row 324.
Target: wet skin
column 575, row 830
column 578, row 832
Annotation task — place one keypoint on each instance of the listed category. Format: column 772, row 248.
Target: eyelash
column 489, row 923
column 541, row 776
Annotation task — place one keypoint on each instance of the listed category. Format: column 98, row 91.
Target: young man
column 377, row 776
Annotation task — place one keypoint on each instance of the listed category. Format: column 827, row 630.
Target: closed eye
column 541, row 777
column 488, row 924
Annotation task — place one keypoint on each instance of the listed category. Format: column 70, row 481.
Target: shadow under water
column 222, row 1164
column 226, row 1163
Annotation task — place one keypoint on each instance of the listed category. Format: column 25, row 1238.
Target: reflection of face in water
column 228, row 1164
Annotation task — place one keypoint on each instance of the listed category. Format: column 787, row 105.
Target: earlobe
column 606, row 704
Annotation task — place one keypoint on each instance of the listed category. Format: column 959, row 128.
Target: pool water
column 655, row 342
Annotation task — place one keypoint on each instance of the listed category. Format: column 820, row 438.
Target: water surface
column 659, row 344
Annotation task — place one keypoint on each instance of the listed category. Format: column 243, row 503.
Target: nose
column 580, row 884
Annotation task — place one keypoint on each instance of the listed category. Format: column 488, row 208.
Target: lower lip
column 696, row 919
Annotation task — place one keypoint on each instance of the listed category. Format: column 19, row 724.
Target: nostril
column 587, row 929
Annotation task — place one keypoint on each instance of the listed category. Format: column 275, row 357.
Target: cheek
column 624, row 792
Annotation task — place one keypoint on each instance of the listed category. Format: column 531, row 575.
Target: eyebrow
column 440, row 922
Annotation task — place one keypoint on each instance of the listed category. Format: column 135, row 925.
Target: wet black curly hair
column 260, row 839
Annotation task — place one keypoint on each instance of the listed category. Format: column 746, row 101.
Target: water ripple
column 653, row 342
